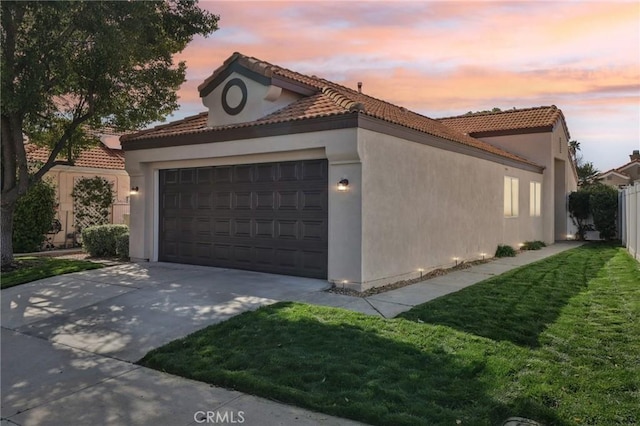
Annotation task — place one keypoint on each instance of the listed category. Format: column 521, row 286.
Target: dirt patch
column 399, row 284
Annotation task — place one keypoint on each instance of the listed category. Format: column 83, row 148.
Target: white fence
column 630, row 214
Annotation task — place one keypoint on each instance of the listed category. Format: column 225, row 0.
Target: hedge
column 102, row 240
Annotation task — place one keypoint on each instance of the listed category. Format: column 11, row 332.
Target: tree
column 34, row 216
column 603, row 204
column 587, row 173
column 70, row 66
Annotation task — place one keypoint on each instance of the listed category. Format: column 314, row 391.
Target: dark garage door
column 269, row 217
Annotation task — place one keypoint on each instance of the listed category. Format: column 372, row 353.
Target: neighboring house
column 293, row 174
column 623, row 175
column 98, row 161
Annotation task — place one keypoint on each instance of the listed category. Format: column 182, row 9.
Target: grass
column 557, row 341
column 35, row 268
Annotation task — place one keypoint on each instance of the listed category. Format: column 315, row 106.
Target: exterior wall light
column 483, row 255
column 343, row 185
column 421, row 270
column 134, row 190
column 456, row 259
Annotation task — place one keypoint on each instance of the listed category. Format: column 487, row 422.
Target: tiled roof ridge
column 108, row 158
column 509, row 111
column 339, row 99
column 615, row 171
column 163, row 126
column 635, row 160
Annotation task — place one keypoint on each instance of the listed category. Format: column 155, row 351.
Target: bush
column 604, row 208
column 122, row 246
column 33, row 216
column 505, row 251
column 533, row 245
column 579, row 212
column 101, row 240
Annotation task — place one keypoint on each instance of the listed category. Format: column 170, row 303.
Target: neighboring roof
column 629, row 164
column 98, row 157
column 614, row 171
column 324, row 98
column 515, row 121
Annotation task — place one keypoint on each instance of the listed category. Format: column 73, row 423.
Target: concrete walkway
column 69, row 343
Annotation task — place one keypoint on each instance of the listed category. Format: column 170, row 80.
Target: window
column 510, row 196
column 535, row 189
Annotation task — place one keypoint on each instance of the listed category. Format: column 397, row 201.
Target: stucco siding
column 422, row 207
column 339, row 147
column 65, row 177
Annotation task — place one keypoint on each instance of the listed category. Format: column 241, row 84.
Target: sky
column 446, row 58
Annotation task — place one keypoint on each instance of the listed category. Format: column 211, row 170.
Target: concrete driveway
column 69, row 343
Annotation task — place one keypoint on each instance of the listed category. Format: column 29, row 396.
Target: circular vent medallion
column 234, row 96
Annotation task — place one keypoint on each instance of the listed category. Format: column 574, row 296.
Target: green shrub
column 122, row 246
column 604, row 208
column 101, row 240
column 505, row 251
column 533, row 245
column 579, row 212
column 33, row 216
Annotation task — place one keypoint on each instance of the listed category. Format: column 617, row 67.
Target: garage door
column 269, row 217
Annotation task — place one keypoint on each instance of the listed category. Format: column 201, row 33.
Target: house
column 294, row 174
column 540, row 135
column 100, row 160
column 623, row 175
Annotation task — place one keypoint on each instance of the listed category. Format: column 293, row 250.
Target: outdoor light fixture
column 456, row 260
column 134, row 190
column 483, row 255
column 421, row 270
column 343, row 185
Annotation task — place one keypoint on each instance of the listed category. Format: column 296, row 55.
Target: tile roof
column 629, row 164
column 544, row 117
column 328, row 99
column 98, row 157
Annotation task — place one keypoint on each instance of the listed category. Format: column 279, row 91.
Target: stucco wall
column 261, row 101
column 338, row 146
column 64, row 178
column 545, row 149
column 422, row 207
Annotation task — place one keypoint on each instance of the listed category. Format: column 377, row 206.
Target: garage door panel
column 265, row 173
column 287, row 229
column 187, row 176
column 269, row 217
column 265, row 200
column 287, row 171
column 242, row 200
column 243, row 174
column 222, row 227
column 222, row 174
column 264, row 228
column 222, row 200
column 313, row 230
column 241, row 228
column 242, row 255
column 313, row 200
column 287, row 200
column 314, row 170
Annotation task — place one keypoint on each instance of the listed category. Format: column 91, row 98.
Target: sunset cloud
column 448, row 57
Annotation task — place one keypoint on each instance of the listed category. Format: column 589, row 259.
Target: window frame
column 535, row 199
column 511, row 206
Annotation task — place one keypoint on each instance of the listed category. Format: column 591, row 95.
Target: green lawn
column 557, row 341
column 35, row 268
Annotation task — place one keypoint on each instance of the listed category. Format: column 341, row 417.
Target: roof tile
column 99, row 157
column 331, row 99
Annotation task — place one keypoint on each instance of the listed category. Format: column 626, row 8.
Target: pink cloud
column 442, row 56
